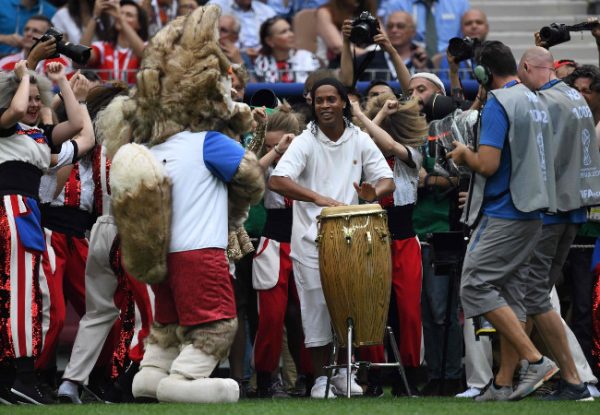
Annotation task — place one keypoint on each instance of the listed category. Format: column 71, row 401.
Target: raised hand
column 382, row 40
column 366, row 191
column 285, row 142
column 42, row 50
column 346, row 29
column 390, row 107
column 356, row 109
column 55, row 71
column 21, row 69
column 260, row 115
column 80, row 86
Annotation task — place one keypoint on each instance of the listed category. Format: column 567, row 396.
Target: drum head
column 350, row 210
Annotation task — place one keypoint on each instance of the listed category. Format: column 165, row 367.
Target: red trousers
column 272, row 305
column 406, row 286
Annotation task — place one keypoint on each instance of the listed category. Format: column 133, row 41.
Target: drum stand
column 356, row 365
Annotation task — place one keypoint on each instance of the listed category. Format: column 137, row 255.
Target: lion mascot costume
column 181, row 190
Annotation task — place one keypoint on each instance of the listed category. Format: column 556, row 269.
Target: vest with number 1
column 532, row 181
column 577, row 160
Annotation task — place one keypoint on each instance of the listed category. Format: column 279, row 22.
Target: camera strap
column 360, row 69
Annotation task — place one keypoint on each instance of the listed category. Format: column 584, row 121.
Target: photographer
column 506, row 214
column 475, row 26
column 36, row 56
column 330, row 19
column 13, row 17
column 399, row 31
column 347, row 74
column 119, row 53
column 570, row 118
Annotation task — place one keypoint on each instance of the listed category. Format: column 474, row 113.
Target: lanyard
column 116, row 65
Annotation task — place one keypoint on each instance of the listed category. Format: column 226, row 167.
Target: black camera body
column 364, row 29
column 556, row 34
column 463, row 48
column 77, row 53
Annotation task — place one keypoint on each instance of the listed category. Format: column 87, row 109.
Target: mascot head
column 184, row 83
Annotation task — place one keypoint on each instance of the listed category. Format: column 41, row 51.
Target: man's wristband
column 277, row 151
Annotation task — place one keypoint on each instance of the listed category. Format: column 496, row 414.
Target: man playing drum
column 321, row 168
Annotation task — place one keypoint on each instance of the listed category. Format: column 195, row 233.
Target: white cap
column 432, row 78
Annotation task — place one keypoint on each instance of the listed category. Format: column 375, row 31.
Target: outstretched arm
column 385, row 142
column 288, row 188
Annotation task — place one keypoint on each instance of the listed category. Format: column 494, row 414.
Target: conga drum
column 356, row 270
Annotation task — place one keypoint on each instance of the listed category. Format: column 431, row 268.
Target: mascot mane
column 183, row 85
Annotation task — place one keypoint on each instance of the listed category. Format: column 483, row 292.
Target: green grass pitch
column 339, row 406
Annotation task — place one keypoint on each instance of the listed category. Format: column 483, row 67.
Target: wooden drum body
column 356, row 270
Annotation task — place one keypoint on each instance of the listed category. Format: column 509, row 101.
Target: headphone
column 482, row 73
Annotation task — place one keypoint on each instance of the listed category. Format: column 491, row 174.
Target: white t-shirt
column 406, row 179
column 64, row 23
column 328, row 168
column 29, row 144
column 200, row 165
column 48, row 181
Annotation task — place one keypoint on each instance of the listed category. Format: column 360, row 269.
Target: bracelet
column 277, row 151
column 83, row 102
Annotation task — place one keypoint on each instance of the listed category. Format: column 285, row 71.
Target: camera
column 556, row 34
column 264, row 98
column 463, row 48
column 364, row 29
column 77, row 53
column 458, row 125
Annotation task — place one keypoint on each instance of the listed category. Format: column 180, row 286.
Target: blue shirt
column 497, row 201
column 448, row 14
column 13, row 17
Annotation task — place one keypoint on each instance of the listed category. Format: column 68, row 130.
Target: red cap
column 565, row 62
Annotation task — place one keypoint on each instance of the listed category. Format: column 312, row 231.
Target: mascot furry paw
column 180, row 186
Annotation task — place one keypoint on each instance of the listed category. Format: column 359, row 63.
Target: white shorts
column 315, row 315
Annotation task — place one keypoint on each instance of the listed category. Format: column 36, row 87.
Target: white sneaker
column 318, row 389
column 593, row 390
column 469, row 393
column 340, row 383
column 68, row 392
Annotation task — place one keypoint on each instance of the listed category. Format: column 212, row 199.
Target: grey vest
column 577, row 159
column 530, row 144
